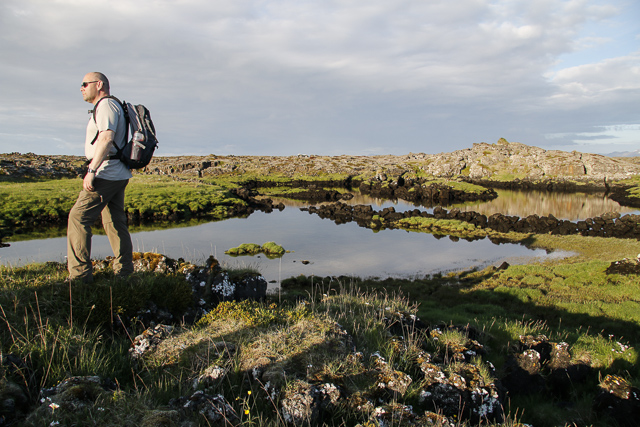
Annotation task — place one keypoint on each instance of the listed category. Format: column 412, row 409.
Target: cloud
column 331, row 77
column 598, row 82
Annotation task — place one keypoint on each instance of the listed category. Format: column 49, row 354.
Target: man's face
column 89, row 88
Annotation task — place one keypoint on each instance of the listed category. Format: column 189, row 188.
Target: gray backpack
column 138, row 151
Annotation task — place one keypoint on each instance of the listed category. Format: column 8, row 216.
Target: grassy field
column 572, row 301
column 306, row 334
column 30, row 206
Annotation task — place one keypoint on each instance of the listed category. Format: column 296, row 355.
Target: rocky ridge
column 502, row 161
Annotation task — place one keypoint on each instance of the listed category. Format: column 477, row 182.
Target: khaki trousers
column 107, row 200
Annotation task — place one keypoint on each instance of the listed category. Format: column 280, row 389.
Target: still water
column 322, row 248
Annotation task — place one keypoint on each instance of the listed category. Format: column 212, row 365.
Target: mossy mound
column 270, row 249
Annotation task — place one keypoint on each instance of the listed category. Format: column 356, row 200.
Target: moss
column 245, row 249
column 270, row 249
column 252, row 313
column 441, row 226
column 458, row 185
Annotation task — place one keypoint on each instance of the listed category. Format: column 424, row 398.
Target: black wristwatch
column 89, row 170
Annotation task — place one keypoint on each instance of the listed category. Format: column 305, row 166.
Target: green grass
column 61, row 334
column 41, row 202
column 634, row 191
column 441, row 226
column 36, row 204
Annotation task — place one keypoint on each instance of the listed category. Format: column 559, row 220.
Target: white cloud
column 270, row 77
column 615, row 79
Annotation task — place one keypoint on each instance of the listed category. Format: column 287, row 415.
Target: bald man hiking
column 103, row 186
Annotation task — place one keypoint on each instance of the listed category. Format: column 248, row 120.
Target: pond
column 320, row 247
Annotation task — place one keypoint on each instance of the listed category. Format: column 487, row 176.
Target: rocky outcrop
column 30, row 165
column 420, row 192
column 618, row 400
column 536, row 365
column 516, row 160
column 625, row 266
column 502, row 160
column 610, row 224
column 210, row 285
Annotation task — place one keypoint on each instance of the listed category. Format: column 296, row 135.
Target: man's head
column 94, row 86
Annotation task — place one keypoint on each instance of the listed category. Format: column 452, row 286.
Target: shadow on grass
column 459, row 300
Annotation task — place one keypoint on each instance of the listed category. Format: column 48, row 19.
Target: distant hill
column 635, row 153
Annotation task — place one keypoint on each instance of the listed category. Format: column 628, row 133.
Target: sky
column 332, row 77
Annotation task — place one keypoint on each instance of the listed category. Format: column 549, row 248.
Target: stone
column 210, row 376
column 213, row 407
column 299, row 405
column 159, row 418
column 390, row 382
column 618, row 400
column 148, row 340
column 625, row 266
column 74, row 393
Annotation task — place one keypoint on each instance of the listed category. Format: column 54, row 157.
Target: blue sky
column 362, row 77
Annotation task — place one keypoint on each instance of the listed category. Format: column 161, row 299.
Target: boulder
column 304, row 403
column 618, row 400
column 214, row 408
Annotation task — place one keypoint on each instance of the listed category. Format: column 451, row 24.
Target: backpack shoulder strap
column 124, row 109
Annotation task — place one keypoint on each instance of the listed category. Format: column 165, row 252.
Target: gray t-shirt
column 109, row 116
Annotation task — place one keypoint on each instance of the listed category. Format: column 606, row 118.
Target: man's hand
column 87, row 183
column 103, row 145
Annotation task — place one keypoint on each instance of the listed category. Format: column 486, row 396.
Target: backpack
column 138, row 151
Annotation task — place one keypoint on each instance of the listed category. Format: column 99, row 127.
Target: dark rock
column 214, row 408
column 562, row 381
column 625, row 266
column 463, row 393
column 158, row 418
column 618, row 400
column 538, row 365
column 18, row 388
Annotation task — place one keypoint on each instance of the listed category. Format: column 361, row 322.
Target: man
column 103, row 186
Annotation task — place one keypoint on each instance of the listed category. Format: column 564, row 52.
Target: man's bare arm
column 103, row 145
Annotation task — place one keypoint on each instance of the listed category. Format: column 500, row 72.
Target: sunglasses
column 85, row 84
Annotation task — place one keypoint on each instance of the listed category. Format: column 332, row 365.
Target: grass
column 61, row 338
column 571, row 300
column 634, row 190
column 305, row 337
column 459, row 185
column 36, row 204
column 298, row 342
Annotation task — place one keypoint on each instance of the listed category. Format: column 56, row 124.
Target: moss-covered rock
column 270, row 249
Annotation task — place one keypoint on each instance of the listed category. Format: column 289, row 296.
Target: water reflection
column 568, row 206
column 332, row 249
